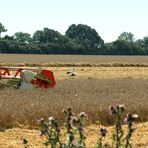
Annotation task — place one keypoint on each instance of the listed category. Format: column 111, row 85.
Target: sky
column 108, row 17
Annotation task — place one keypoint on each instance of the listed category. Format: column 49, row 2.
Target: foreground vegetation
column 75, row 130
column 78, row 39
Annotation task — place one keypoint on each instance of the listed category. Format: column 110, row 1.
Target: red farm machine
column 27, row 78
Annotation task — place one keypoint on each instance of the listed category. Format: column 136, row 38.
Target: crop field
column 92, row 90
column 70, row 60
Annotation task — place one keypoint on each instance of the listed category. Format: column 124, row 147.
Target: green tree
column 145, row 41
column 85, row 35
column 2, row 29
column 9, row 38
column 122, row 47
column 126, row 36
column 140, row 43
column 47, row 35
column 52, row 35
column 22, row 37
column 38, row 37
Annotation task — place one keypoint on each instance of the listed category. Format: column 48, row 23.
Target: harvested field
column 102, row 72
column 71, row 60
column 91, row 95
column 15, row 137
column 92, row 90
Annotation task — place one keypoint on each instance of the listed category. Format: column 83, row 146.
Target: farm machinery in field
column 26, row 78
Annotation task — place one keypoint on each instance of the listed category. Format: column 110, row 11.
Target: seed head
column 121, row 107
column 64, row 111
column 82, row 115
column 41, row 120
column 69, row 109
column 130, row 118
column 134, row 116
column 74, row 120
column 112, row 110
column 103, row 131
column 51, row 119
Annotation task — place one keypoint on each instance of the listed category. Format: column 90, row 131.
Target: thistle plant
column 80, row 123
column 117, row 136
column 52, row 132
column 103, row 132
column 69, row 128
column 75, row 130
column 69, row 116
column 129, row 120
column 118, row 140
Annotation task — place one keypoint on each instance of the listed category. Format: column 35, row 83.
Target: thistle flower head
column 103, row 131
column 64, row 111
column 127, row 118
column 41, row 120
column 82, row 115
column 51, row 119
column 69, row 109
column 112, row 110
column 74, row 120
column 121, row 107
column 130, row 118
column 134, row 116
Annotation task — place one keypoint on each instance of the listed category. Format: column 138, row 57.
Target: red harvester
column 29, row 76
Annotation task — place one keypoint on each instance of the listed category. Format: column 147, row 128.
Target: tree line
column 78, row 39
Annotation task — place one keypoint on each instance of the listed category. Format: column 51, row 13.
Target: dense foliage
column 78, row 39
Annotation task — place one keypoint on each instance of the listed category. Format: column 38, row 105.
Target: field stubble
column 72, row 60
column 92, row 90
column 90, row 95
